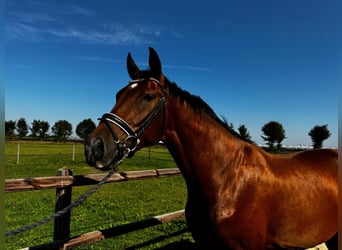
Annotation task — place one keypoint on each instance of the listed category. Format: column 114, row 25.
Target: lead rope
column 67, row 209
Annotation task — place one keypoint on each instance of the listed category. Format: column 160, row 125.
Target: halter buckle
column 130, row 145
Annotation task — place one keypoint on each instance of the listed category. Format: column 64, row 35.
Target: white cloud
column 80, row 11
column 107, row 34
column 36, row 26
column 98, row 59
column 187, row 67
column 117, row 37
column 198, row 68
column 149, row 30
column 177, row 35
column 15, row 31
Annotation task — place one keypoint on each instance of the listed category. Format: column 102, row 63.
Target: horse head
column 136, row 120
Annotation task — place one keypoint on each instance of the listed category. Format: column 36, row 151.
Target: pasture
column 113, row 204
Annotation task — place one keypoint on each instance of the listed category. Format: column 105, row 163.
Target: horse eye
column 149, row 97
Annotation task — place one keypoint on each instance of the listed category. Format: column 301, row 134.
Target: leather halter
column 128, row 146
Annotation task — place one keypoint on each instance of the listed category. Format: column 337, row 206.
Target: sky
column 252, row 61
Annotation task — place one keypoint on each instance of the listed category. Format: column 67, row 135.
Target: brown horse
column 239, row 196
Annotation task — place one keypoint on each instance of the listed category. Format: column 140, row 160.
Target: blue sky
column 251, row 61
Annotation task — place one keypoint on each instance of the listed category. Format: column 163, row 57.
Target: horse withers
column 239, row 196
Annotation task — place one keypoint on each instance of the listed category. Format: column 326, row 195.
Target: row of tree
column 274, row 134
column 60, row 131
column 273, row 131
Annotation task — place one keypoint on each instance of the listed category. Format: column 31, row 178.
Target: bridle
column 127, row 147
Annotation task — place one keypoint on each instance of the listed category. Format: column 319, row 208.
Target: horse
column 239, row 196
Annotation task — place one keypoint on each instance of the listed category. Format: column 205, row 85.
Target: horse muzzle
column 99, row 154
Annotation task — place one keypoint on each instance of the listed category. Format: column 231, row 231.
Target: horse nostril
column 98, row 149
column 94, row 151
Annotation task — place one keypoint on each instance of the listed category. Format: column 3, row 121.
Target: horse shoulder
column 243, row 177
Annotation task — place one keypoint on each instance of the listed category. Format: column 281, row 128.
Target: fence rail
column 26, row 184
column 99, row 235
column 63, row 185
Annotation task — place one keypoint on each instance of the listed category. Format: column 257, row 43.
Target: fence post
column 18, row 153
column 63, row 199
column 73, row 152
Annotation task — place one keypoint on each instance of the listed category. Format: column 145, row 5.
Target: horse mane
column 198, row 104
column 194, row 102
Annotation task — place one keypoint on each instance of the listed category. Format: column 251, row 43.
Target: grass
column 113, row 204
column 38, row 159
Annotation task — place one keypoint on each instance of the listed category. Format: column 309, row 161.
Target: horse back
column 317, row 162
column 321, row 160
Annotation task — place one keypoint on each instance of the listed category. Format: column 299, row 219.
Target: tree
column 62, row 129
column 43, row 129
column 34, row 128
column 39, row 128
column 318, row 134
column 85, row 127
column 244, row 133
column 274, row 133
column 22, row 128
column 9, row 128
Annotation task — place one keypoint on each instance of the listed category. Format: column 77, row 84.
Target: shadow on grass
column 179, row 245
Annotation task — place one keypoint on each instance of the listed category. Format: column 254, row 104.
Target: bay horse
column 239, row 196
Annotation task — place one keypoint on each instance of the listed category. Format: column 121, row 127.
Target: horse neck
column 199, row 144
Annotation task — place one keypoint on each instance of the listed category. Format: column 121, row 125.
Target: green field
column 113, row 204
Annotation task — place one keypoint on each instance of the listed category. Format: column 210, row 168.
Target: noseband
column 128, row 146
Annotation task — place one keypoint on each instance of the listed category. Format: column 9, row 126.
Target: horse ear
column 132, row 68
column 154, row 62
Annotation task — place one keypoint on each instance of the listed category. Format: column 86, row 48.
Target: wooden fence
column 63, row 183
